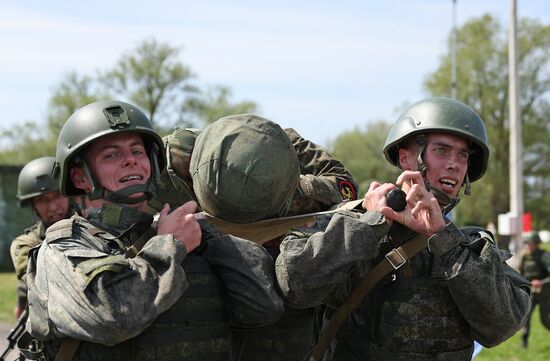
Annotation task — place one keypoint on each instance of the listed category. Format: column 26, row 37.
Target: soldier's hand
column 182, row 224
column 375, row 199
column 536, row 285
column 423, row 213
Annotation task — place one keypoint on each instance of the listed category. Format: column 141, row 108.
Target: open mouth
column 130, row 178
column 448, row 184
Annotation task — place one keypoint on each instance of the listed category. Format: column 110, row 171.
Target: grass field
column 539, row 341
column 7, row 297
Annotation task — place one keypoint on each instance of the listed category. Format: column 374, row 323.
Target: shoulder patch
column 347, row 190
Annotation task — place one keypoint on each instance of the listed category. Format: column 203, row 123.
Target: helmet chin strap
column 122, row 196
column 446, row 202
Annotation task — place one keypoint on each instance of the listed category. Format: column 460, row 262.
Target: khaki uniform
column 456, row 291
column 162, row 304
column 19, row 251
column 534, row 265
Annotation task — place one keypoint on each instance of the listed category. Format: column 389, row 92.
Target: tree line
column 153, row 77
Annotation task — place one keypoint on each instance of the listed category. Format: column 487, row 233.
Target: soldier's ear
column 407, row 160
column 79, row 179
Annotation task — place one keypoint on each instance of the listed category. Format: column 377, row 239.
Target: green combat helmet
column 97, row 120
column 35, row 180
column 533, row 237
column 244, row 169
column 442, row 115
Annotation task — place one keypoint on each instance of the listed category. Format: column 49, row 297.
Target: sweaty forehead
column 450, row 140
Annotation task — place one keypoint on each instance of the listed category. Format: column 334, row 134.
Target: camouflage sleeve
column 324, row 180
column 492, row 296
column 315, row 268
column 19, row 251
column 80, row 290
column 248, row 277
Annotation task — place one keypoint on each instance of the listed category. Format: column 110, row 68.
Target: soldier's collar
column 116, row 216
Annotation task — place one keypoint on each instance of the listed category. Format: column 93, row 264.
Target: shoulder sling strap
column 393, row 260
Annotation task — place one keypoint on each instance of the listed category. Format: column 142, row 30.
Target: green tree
column 24, row 142
column 482, row 83
column 361, row 152
column 34, row 139
column 73, row 92
column 152, row 77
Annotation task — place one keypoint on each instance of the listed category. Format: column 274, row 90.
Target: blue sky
column 321, row 67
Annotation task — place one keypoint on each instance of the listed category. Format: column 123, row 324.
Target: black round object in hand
column 396, row 199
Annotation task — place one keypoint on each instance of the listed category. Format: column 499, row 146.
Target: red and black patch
column 347, row 190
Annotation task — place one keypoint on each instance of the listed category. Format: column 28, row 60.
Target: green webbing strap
column 268, row 229
column 140, row 242
column 67, row 349
column 393, row 260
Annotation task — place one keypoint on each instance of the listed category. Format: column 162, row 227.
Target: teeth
column 448, row 182
column 131, row 177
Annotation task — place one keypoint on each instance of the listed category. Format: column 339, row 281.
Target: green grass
column 8, row 297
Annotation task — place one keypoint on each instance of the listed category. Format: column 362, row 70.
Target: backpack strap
column 134, row 249
column 67, row 349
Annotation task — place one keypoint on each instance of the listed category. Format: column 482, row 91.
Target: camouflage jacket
column 324, row 181
column 82, row 285
column 322, row 266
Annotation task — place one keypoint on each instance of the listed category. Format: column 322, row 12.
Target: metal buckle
column 396, row 259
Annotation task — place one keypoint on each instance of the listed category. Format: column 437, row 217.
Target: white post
column 516, row 171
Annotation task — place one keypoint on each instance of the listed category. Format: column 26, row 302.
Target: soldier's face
column 117, row 161
column 446, row 158
column 51, row 207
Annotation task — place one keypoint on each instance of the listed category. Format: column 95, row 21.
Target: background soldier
column 457, row 290
column 174, row 299
column 37, row 190
column 535, row 266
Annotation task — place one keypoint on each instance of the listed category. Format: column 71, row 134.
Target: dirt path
column 4, row 331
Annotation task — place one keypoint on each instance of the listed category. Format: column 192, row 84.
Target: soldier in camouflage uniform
column 323, row 179
column 457, row 290
column 35, row 189
column 245, row 169
column 125, row 287
column 534, row 264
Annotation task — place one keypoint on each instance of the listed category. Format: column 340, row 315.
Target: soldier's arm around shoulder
column 247, row 274
column 324, row 180
column 491, row 295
